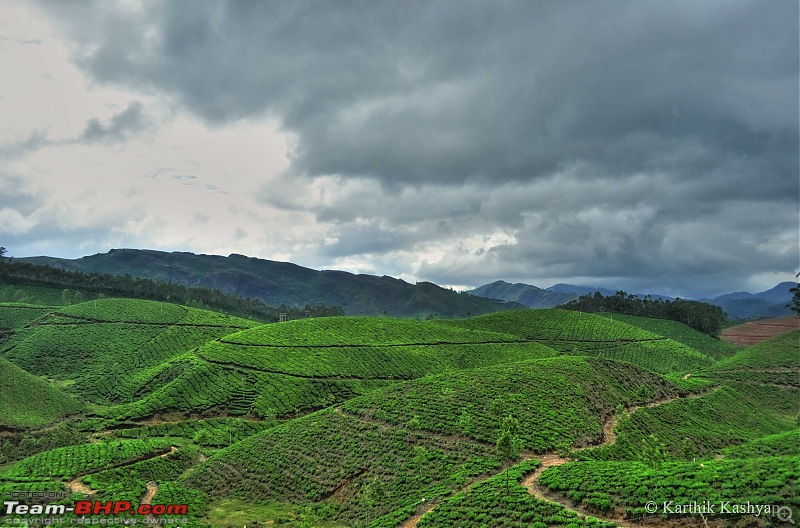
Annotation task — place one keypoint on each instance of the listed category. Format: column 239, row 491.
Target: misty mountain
column 284, row 283
column 580, row 290
column 746, row 305
column 738, row 305
column 525, row 294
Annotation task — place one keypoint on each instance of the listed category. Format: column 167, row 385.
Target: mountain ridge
column 283, row 283
column 738, row 305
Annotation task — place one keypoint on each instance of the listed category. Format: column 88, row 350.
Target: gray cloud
column 642, row 141
column 119, row 128
column 21, row 147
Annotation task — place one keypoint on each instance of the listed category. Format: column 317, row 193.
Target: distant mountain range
column 277, row 283
column 738, row 305
column 284, row 283
column 745, row 305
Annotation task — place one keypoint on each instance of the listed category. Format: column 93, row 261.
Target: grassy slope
column 17, row 315
column 782, row 351
column 28, row 401
column 375, row 456
column 681, row 333
column 578, row 333
column 751, row 423
column 557, row 401
column 384, row 451
column 605, row 486
column 108, row 347
column 354, row 347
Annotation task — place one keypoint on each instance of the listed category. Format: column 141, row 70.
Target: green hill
column 775, row 362
column 284, row 369
column 109, row 348
column 577, row 333
column 29, row 401
column 557, row 401
column 359, row 421
column 366, row 348
column 679, row 332
column 378, row 454
column 782, row 351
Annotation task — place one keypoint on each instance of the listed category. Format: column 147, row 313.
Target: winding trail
column 76, row 486
column 609, row 437
column 147, row 498
column 551, row 459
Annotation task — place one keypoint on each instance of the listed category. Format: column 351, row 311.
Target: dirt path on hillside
column 609, row 437
column 755, row 332
column 550, row 459
column 76, row 486
column 147, row 498
column 412, row 522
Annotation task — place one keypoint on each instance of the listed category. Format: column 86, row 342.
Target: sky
column 644, row 145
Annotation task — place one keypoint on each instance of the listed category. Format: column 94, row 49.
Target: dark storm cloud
column 446, row 91
column 638, row 139
column 118, row 128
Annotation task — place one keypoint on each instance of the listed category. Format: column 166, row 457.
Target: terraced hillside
column 354, row 421
column 290, row 368
column 378, row 455
column 577, row 333
column 679, row 332
column 28, row 401
column 108, row 350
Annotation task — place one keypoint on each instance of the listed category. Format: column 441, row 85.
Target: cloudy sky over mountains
column 647, row 145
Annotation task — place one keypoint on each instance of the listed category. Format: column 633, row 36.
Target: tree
column 3, row 251
column 795, row 304
column 509, row 445
column 653, row 452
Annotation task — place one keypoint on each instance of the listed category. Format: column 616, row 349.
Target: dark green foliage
column 509, row 444
column 488, row 505
column 18, row 445
column 689, row 428
column 795, row 304
column 213, row 432
column 133, row 478
column 706, row 318
column 79, row 460
column 577, row 333
column 555, row 400
column 630, row 486
column 28, row 401
column 370, row 468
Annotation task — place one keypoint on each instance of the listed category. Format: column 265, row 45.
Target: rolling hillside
column 578, row 333
column 28, row 401
column 358, row 421
column 442, row 427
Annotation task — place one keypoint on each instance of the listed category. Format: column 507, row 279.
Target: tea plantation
column 359, row 421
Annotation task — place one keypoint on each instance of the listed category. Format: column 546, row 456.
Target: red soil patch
column 755, row 332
